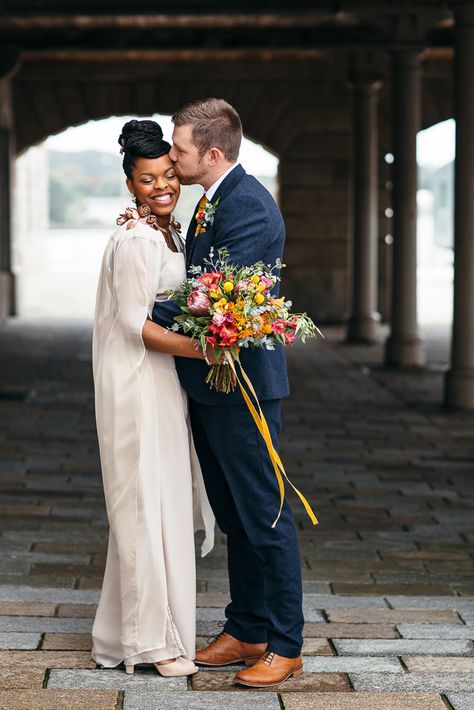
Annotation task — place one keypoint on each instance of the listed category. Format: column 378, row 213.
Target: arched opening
column 435, row 153
column 69, row 190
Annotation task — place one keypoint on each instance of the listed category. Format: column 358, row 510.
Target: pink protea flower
column 242, row 285
column 198, row 303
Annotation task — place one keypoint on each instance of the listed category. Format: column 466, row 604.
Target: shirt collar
column 211, row 191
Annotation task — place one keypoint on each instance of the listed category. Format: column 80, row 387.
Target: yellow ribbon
column 262, row 426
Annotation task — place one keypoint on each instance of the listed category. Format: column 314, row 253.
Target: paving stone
column 348, row 664
column 392, row 616
column 200, row 700
column 83, row 611
column 12, row 677
column 27, row 609
column 436, row 631
column 19, row 640
column 405, row 647
column 326, row 682
column 43, row 624
column 438, row 664
column 350, row 631
column 392, row 589
column 32, row 594
column 409, row 682
column 333, row 601
column 111, row 679
column 46, row 659
column 420, row 602
column 363, row 701
column 38, row 580
column 317, row 647
column 215, row 599
column 76, row 642
column 57, row 700
column 91, row 583
column 461, row 701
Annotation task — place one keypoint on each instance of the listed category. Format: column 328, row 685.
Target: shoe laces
column 268, row 657
column 213, row 639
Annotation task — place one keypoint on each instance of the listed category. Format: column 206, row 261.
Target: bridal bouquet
column 228, row 308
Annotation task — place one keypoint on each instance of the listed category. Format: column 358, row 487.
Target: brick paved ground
column 389, row 585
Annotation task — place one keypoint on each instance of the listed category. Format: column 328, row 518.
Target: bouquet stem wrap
column 262, row 426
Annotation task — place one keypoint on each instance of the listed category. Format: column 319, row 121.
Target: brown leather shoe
column 270, row 669
column 225, row 650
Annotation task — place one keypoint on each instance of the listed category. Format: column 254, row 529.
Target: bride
column 153, row 487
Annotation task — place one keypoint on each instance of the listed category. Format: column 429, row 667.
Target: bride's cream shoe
column 179, row 667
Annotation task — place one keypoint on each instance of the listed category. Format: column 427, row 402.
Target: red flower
column 279, row 326
column 223, row 335
column 210, row 279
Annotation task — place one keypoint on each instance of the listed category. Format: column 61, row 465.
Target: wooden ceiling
column 148, row 25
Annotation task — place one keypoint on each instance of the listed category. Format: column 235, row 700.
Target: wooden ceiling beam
column 176, row 22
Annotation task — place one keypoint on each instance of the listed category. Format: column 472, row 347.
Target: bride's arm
column 166, row 341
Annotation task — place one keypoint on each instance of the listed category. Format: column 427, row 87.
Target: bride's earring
column 133, row 197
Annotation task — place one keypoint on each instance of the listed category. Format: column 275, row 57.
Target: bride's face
column 155, row 183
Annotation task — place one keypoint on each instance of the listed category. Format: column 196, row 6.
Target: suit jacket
column 249, row 224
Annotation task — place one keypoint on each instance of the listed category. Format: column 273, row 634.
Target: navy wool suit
column 264, row 562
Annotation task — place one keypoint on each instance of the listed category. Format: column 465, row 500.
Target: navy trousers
column 264, row 562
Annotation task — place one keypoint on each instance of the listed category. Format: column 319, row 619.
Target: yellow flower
column 228, row 286
column 215, row 293
column 267, row 328
column 259, row 298
column 255, row 279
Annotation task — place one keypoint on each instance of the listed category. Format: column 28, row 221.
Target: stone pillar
column 8, row 65
column 404, row 346
column 362, row 323
column 459, row 385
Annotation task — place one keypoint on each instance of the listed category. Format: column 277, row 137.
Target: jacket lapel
column 224, row 189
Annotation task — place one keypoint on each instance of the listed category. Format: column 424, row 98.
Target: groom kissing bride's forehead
column 264, row 619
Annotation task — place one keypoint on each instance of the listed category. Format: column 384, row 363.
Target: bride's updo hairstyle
column 141, row 139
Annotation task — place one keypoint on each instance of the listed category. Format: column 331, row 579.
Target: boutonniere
column 205, row 216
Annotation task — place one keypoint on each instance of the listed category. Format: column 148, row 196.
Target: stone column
column 459, row 389
column 362, row 323
column 8, row 65
column 404, row 346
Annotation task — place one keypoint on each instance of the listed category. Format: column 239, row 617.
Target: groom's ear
column 214, row 157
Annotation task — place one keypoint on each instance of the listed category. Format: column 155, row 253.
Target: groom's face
column 189, row 166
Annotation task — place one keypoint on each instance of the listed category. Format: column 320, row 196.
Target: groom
column 264, row 618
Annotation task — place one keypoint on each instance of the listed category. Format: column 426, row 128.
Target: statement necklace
column 133, row 215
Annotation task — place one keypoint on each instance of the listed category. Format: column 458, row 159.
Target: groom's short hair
column 216, row 124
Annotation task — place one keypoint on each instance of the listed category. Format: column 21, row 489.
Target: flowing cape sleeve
column 127, row 286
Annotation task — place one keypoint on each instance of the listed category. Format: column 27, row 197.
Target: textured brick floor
column 388, row 574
